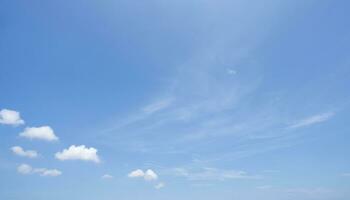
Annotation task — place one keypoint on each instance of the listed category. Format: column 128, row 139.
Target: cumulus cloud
column 27, row 169
column 149, row 175
column 78, row 153
column 312, row 120
column 159, row 186
column 136, row 173
column 10, row 117
column 21, row 152
column 107, row 176
column 40, row 133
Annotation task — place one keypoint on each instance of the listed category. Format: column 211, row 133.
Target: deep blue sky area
column 175, row 100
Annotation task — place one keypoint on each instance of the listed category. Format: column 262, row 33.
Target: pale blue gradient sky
column 221, row 99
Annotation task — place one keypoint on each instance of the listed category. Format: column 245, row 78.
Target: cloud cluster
column 10, row 117
column 39, row 133
column 21, row 152
column 27, row 169
column 45, row 133
column 149, row 175
column 78, row 153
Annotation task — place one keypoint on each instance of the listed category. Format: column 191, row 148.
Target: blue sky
column 174, row 100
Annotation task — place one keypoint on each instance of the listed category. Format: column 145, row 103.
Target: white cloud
column 212, row 174
column 136, row 173
column 231, row 71
column 312, row 120
column 10, row 117
column 159, row 186
column 47, row 172
column 314, row 193
column 27, row 169
column 149, row 175
column 346, row 174
column 78, row 153
column 264, row 187
column 40, row 133
column 107, row 176
column 21, row 152
column 24, row 169
column 157, row 106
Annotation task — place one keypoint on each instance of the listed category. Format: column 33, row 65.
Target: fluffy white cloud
column 78, row 153
column 136, row 173
column 10, row 117
column 40, row 133
column 159, row 186
column 21, row 152
column 27, row 169
column 312, row 120
column 107, row 176
column 149, row 175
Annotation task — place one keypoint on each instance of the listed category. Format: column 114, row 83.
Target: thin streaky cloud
column 264, row 187
column 157, row 106
column 211, row 174
column 346, row 174
column 315, row 119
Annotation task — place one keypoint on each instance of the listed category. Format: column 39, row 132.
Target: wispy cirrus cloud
column 315, row 119
column 214, row 111
column 346, row 174
column 157, row 105
column 264, row 187
column 211, row 174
